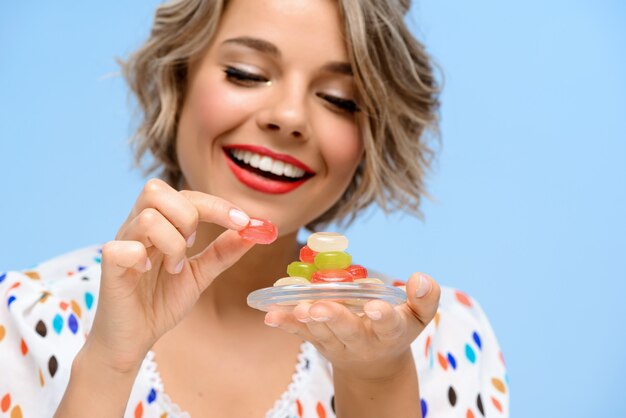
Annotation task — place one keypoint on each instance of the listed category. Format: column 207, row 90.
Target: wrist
column 378, row 371
column 94, row 354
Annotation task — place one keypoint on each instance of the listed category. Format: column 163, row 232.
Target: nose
column 285, row 112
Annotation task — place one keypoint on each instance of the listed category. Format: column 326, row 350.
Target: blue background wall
column 530, row 184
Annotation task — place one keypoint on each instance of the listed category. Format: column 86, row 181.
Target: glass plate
column 351, row 295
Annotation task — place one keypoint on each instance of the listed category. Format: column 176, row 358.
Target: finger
column 287, row 322
column 315, row 320
column 216, row 210
column 222, row 253
column 345, row 325
column 151, row 228
column 422, row 294
column 386, row 322
column 178, row 210
column 120, row 256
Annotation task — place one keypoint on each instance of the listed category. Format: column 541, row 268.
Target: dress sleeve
column 45, row 314
column 460, row 366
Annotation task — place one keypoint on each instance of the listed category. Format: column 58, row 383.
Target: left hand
column 372, row 346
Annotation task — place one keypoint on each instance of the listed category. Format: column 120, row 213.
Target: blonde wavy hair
column 396, row 84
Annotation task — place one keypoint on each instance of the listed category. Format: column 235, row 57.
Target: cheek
column 342, row 148
column 217, row 107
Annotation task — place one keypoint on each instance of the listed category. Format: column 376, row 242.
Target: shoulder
column 45, row 314
column 66, row 277
column 52, row 272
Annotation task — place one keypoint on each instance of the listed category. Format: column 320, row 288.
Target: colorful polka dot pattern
column 465, row 357
column 41, row 300
column 56, row 302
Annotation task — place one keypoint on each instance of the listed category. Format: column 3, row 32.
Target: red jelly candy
column 357, row 271
column 331, row 276
column 307, row 255
column 260, row 231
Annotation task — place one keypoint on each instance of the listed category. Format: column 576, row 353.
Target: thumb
column 422, row 299
column 222, row 253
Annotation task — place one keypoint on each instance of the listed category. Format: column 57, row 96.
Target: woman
column 300, row 112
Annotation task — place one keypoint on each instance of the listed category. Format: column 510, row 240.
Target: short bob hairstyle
column 397, row 89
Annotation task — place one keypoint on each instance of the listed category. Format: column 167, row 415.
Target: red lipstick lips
column 280, row 157
column 257, row 181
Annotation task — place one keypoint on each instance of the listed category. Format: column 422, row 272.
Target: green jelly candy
column 300, row 269
column 333, row 260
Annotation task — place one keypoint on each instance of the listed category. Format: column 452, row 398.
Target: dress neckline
column 281, row 405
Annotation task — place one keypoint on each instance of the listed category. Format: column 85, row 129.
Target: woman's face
column 272, row 93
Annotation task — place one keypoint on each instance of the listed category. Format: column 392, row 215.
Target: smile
column 266, row 171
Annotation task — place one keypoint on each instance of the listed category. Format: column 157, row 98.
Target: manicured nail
column 269, row 323
column 191, row 240
column 374, row 315
column 239, row 217
column 423, row 287
column 148, row 264
column 179, row 266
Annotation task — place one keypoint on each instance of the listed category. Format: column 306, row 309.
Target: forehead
column 298, row 28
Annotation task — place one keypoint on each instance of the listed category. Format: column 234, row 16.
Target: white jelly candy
column 327, row 241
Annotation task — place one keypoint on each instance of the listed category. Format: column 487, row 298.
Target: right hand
column 148, row 284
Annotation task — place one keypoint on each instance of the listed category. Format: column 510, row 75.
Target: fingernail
column 179, row 266
column 191, row 240
column 269, row 323
column 239, row 217
column 304, row 320
column 148, row 264
column 320, row 318
column 374, row 315
column 424, row 286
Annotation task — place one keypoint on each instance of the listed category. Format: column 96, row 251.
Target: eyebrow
column 269, row 48
column 255, row 43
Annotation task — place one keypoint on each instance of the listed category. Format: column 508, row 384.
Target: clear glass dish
column 351, row 295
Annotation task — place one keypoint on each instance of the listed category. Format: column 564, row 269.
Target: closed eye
column 243, row 77
column 349, row 106
column 247, row 79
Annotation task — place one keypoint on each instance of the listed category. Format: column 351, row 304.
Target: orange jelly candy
column 331, row 276
column 307, row 255
column 260, row 231
column 357, row 271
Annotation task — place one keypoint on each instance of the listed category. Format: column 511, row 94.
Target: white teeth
column 265, row 163
column 278, row 168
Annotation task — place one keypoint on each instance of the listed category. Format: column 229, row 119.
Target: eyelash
column 247, row 79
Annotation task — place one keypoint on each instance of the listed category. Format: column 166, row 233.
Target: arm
column 95, row 388
column 393, row 396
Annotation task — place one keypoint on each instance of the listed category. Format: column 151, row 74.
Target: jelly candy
column 291, row 280
column 307, row 255
column 331, row 276
column 327, row 241
column 298, row 268
column 369, row 280
column 332, row 260
column 357, row 271
column 260, row 231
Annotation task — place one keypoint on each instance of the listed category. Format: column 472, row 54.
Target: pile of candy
column 324, row 260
